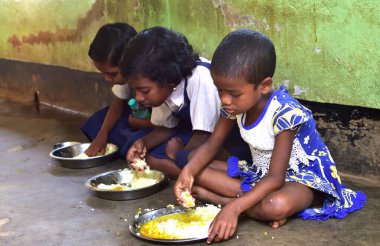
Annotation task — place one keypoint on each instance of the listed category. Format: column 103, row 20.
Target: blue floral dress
column 310, row 162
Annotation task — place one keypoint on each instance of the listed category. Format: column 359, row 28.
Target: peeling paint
column 233, row 19
column 339, row 60
column 277, row 27
column 298, row 90
column 286, row 83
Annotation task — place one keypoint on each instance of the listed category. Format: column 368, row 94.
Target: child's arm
column 197, row 139
column 137, row 123
column 113, row 115
column 202, row 156
column 224, row 225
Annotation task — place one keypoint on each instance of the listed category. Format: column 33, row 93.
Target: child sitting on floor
column 166, row 74
column 292, row 170
column 114, row 124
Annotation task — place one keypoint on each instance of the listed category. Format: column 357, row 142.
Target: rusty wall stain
column 61, row 34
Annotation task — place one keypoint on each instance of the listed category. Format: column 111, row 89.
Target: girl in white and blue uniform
column 291, row 172
column 167, row 75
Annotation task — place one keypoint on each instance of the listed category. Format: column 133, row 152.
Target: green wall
column 328, row 51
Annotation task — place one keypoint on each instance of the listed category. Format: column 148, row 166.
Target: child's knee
column 278, row 206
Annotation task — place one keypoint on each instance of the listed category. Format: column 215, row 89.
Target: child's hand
column 136, row 152
column 188, row 198
column 183, row 184
column 173, row 146
column 139, row 165
column 224, row 225
column 98, row 146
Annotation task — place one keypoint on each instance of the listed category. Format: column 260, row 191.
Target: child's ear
column 266, row 85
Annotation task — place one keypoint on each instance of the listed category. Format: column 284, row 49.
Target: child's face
column 150, row 93
column 236, row 95
column 111, row 73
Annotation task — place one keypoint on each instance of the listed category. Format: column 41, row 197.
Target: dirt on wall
column 352, row 136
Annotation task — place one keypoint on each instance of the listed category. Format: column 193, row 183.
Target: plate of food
column 175, row 225
column 73, row 156
column 126, row 184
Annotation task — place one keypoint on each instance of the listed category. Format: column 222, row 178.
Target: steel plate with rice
column 126, row 184
column 174, row 225
column 73, row 156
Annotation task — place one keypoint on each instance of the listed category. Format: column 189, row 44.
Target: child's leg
column 173, row 146
column 219, row 165
column 204, row 195
column 279, row 205
column 275, row 207
column 216, row 181
column 165, row 165
column 170, row 168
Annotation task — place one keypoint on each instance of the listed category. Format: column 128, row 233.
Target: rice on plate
column 191, row 224
column 131, row 180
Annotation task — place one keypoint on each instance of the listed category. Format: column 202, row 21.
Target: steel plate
column 134, row 228
column 113, row 177
column 65, row 156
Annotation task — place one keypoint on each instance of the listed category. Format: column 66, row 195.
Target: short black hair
column 159, row 54
column 245, row 54
column 109, row 42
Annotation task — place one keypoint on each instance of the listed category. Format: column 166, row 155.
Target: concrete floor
column 42, row 203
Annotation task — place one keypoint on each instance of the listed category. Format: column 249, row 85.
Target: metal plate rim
column 123, row 195
column 51, row 153
column 88, row 182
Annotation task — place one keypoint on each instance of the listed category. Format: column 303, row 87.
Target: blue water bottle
column 139, row 111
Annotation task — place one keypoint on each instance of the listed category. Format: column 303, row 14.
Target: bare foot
column 201, row 194
column 277, row 223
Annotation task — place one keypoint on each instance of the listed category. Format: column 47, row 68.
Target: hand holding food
column 139, row 164
column 183, row 185
column 98, row 145
column 136, row 151
column 188, row 200
column 107, row 150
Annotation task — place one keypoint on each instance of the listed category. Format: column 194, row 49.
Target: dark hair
column 160, row 54
column 109, row 42
column 245, row 54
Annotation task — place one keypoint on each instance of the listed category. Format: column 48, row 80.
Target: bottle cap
column 132, row 103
